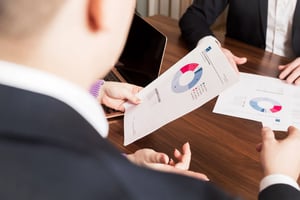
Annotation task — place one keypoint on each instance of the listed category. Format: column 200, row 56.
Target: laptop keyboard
column 111, row 77
column 108, row 110
column 111, row 113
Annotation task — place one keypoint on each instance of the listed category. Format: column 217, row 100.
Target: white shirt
column 48, row 84
column 279, row 27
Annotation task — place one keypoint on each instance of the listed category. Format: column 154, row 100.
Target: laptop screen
column 141, row 59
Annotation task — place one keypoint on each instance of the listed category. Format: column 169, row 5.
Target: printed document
column 194, row 80
column 265, row 99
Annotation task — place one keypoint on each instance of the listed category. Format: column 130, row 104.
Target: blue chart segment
column 257, row 103
column 194, row 67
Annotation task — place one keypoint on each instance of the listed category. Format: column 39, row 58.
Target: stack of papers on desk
column 268, row 100
column 194, row 80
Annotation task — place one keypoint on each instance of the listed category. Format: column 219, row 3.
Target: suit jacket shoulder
column 48, row 151
column 242, row 16
column 246, row 21
column 196, row 21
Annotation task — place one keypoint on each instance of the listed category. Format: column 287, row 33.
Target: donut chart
column 257, row 103
column 192, row 67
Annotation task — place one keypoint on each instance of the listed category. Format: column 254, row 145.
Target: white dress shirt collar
column 279, row 28
column 48, row 84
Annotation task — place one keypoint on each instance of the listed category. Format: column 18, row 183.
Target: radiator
column 171, row 8
column 175, row 9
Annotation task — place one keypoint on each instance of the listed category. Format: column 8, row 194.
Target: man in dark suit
column 271, row 25
column 52, row 130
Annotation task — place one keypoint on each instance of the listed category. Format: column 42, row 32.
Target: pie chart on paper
column 192, row 72
column 265, row 105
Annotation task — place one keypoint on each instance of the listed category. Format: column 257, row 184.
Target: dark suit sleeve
column 196, row 21
column 279, row 192
column 48, row 151
column 296, row 31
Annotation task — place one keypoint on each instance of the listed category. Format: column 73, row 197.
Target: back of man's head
column 20, row 18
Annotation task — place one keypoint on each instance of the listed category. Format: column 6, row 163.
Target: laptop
column 141, row 59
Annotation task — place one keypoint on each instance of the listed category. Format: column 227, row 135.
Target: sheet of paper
column 195, row 79
column 269, row 100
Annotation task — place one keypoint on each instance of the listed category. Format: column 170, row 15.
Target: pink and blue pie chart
column 265, row 105
column 197, row 71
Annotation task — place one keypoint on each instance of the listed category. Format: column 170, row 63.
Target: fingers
column 146, row 156
column 130, row 92
column 291, row 77
column 294, row 77
column 116, row 104
column 160, row 158
column 151, row 156
column 259, row 147
column 267, row 134
column 229, row 56
column 197, row 175
column 115, row 94
column 240, row 60
column 136, row 89
column 193, row 174
column 297, row 81
column 171, row 162
column 171, row 169
column 184, row 159
column 291, row 72
column 186, row 148
column 281, row 156
column 160, row 161
column 131, row 98
column 287, row 69
column 234, row 60
column 293, row 132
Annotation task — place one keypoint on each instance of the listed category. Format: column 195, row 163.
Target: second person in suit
column 270, row 25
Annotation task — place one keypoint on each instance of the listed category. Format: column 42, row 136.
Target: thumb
column 240, row 60
column 159, row 158
column 259, row 147
column 281, row 67
column 267, row 134
column 131, row 97
column 293, row 131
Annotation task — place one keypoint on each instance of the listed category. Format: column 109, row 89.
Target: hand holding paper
column 194, row 80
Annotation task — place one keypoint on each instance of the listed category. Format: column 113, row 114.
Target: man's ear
column 94, row 13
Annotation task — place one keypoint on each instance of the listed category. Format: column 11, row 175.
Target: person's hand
column 280, row 156
column 161, row 161
column 114, row 94
column 290, row 72
column 234, row 60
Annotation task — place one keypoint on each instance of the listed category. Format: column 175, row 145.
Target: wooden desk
column 223, row 147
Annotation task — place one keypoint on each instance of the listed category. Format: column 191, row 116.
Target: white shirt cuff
column 277, row 179
column 209, row 36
